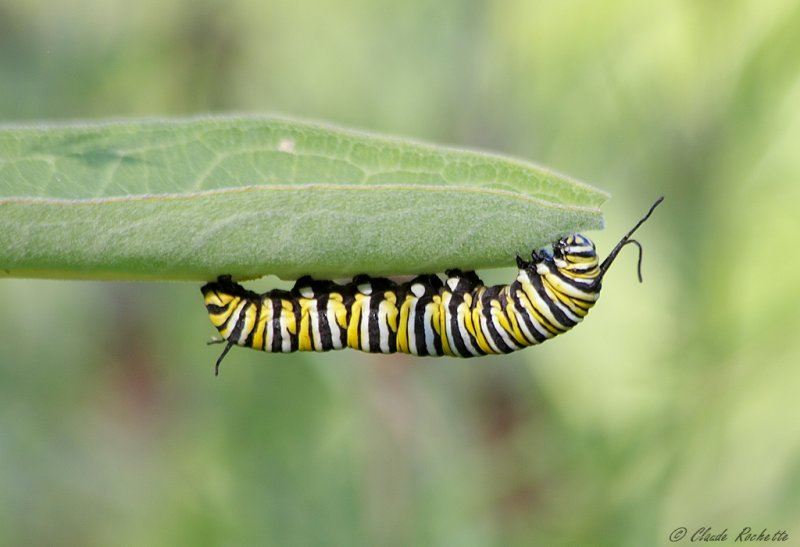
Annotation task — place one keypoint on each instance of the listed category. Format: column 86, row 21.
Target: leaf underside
column 194, row 199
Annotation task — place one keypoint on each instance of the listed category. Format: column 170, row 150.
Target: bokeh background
column 676, row 404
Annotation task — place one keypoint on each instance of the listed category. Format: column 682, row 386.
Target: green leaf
column 192, row 199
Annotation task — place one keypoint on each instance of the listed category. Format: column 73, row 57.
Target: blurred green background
column 675, row 404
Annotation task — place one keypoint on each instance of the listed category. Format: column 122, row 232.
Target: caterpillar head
column 575, row 255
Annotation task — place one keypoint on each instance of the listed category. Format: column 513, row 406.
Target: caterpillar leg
column 308, row 287
column 464, row 280
column 431, row 281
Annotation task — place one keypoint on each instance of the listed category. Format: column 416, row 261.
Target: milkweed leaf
column 195, row 198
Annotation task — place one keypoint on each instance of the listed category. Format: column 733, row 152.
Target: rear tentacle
column 228, row 347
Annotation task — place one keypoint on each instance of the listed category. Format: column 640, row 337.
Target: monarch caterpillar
column 459, row 317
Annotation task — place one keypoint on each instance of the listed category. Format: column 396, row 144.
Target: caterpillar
column 459, row 316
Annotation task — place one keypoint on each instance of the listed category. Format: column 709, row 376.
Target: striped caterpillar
column 460, row 316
